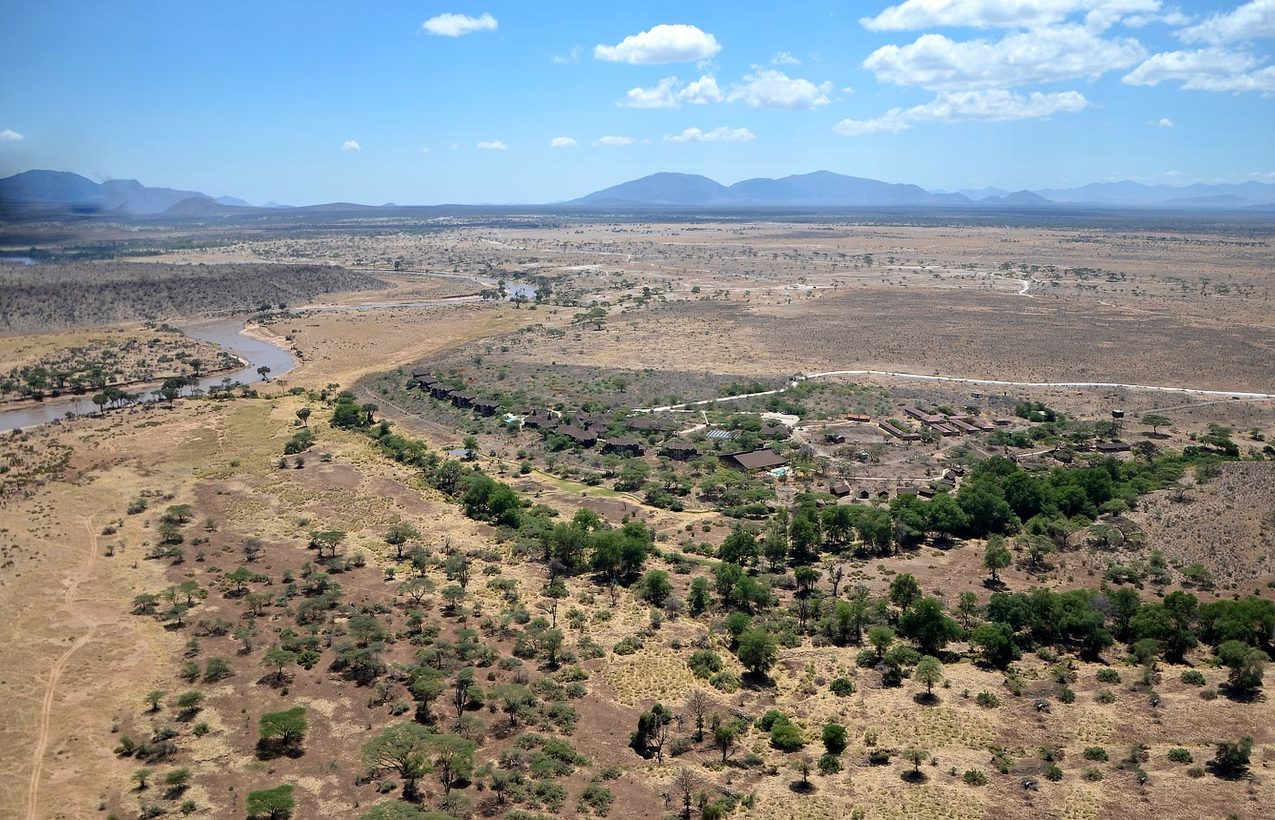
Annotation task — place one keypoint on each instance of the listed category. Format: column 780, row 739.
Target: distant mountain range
column 61, row 191
column 826, row 189
column 65, row 190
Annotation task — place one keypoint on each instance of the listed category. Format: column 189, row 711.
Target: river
column 228, row 333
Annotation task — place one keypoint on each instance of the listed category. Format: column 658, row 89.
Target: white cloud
column 996, row 104
column 921, row 14
column 572, row 56
column 562, row 142
column 9, row 135
column 701, row 92
column 667, row 94
column 351, row 145
column 1206, row 69
column 1163, row 122
column 719, row 134
column 1045, row 55
column 424, row 149
column 662, row 44
column 1251, row 21
column 784, row 58
column 768, row 88
column 455, row 25
column 612, row 140
column 491, row 145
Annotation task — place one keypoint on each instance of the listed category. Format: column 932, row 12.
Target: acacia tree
column 278, row 659
column 453, row 759
column 283, row 731
column 271, row 804
column 402, row 748
column 1155, row 421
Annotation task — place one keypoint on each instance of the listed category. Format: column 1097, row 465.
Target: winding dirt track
column 1187, row 391
column 55, row 674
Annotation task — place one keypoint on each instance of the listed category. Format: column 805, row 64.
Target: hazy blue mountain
column 819, row 188
column 233, row 200
column 827, row 188
column 1135, row 193
column 64, row 190
column 660, row 189
column 983, row 193
column 1016, row 199
column 50, row 188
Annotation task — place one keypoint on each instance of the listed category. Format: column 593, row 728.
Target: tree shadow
column 913, row 776
column 802, row 787
column 926, row 699
column 1238, row 695
column 998, row 585
column 272, row 749
column 756, row 681
column 1223, row 772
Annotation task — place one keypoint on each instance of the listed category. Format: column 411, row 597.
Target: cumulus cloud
column 995, row 104
column 719, row 134
column 351, row 145
column 614, row 140
column 1046, row 55
column 1251, row 21
column 562, row 142
column 9, row 135
column 676, row 43
column 911, row 15
column 1206, row 69
column 784, row 58
column 1163, row 122
column 455, row 25
column 769, row 88
column 667, row 93
column 491, row 145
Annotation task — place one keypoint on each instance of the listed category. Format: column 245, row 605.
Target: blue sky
column 304, row 102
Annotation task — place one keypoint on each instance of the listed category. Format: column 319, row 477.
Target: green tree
column 928, row 626
column 656, row 587
column 303, row 414
column 834, row 738
column 904, row 590
column 697, row 600
column 757, row 651
column 1232, row 758
column 283, row 730
column 402, row 748
column 397, row 810
column 155, row 698
column 996, row 556
column 271, row 804
column 278, row 659
column 453, row 759
column 1155, row 421
column 1245, row 664
column 928, row 672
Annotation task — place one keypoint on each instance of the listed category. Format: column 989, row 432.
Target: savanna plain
column 650, row 516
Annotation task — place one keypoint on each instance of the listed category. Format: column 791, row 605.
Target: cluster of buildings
column 583, row 429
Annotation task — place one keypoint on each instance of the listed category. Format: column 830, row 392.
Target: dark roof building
column 624, row 447
column 839, row 488
column 585, row 438
column 486, row 407
column 763, row 459
column 680, row 451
